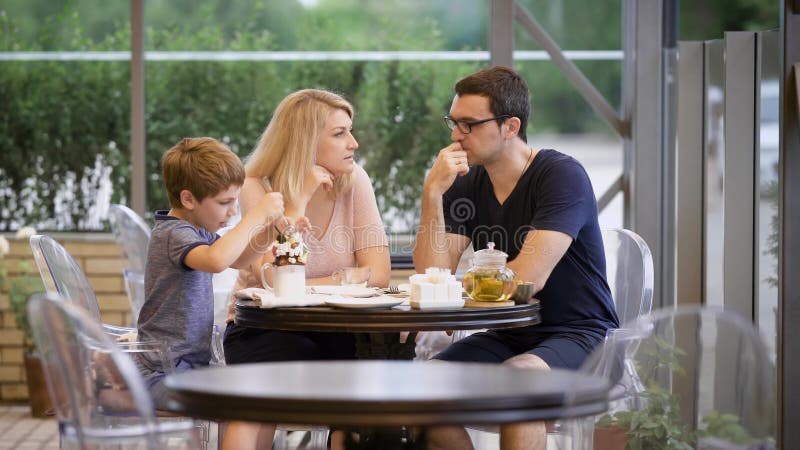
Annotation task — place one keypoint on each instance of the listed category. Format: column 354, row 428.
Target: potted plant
column 655, row 422
column 19, row 289
column 657, row 425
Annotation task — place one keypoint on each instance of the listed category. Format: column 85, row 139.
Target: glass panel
column 66, row 113
column 573, row 25
column 561, row 118
column 767, row 219
column 568, row 124
column 351, row 25
column 65, row 25
column 714, row 154
column 231, row 95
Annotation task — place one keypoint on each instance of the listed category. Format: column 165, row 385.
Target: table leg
column 385, row 439
column 385, row 346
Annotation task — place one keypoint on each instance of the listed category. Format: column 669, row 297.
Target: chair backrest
column 131, row 234
column 700, row 376
column 86, row 373
column 629, row 270
column 61, row 273
column 41, row 264
column 134, row 288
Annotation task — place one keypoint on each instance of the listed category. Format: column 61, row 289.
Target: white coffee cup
column 288, row 281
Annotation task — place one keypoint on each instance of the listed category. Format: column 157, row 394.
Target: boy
column 202, row 178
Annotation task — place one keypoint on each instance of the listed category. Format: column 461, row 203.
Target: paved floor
column 18, row 430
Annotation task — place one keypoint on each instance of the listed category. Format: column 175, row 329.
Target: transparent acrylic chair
column 704, row 381
column 629, row 271
column 134, row 288
column 132, row 235
column 60, row 272
column 99, row 396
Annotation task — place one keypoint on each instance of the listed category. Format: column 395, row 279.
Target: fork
column 393, row 290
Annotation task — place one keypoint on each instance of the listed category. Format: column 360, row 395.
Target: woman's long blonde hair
column 287, row 148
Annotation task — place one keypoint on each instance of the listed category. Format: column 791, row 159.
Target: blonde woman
column 307, row 154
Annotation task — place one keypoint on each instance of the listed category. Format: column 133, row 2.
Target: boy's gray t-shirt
column 179, row 301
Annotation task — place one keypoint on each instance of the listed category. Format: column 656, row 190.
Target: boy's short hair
column 204, row 166
column 506, row 90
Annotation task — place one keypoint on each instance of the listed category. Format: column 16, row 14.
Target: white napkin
column 268, row 299
column 250, row 293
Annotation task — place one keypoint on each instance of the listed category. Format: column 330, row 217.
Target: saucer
column 357, row 303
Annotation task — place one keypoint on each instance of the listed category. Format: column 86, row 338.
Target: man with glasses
column 538, row 206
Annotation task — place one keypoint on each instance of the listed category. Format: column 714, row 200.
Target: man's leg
column 479, row 347
column 530, row 435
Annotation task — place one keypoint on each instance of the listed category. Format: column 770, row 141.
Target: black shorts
column 250, row 345
column 566, row 350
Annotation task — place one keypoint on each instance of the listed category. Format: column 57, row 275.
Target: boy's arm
column 228, row 249
column 255, row 250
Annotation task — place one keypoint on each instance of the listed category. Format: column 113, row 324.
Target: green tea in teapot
column 489, row 280
column 489, row 285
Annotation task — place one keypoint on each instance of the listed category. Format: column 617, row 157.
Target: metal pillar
column 643, row 88
column 689, row 164
column 739, row 159
column 789, row 258
column 501, row 40
column 138, row 200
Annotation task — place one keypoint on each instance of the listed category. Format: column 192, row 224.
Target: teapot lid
column 490, row 256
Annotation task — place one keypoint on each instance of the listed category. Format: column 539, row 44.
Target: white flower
column 25, row 233
column 4, row 246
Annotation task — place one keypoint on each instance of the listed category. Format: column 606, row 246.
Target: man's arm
column 434, row 247
column 540, row 253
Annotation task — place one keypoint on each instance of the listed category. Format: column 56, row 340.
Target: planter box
column 610, row 438
column 37, row 387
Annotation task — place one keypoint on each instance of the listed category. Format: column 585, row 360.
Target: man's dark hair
column 506, row 90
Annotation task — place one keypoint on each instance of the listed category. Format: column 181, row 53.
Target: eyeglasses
column 466, row 127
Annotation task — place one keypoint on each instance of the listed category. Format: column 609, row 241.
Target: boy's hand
column 272, row 205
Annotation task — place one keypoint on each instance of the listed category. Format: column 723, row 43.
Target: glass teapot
column 489, row 280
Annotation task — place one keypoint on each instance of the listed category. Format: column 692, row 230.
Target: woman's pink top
column 355, row 225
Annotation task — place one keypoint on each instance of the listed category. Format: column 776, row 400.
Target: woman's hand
column 316, row 177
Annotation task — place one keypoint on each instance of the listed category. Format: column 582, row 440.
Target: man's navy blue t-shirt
column 554, row 194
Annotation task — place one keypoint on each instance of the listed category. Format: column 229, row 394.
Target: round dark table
column 399, row 318
column 383, row 393
column 377, row 330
